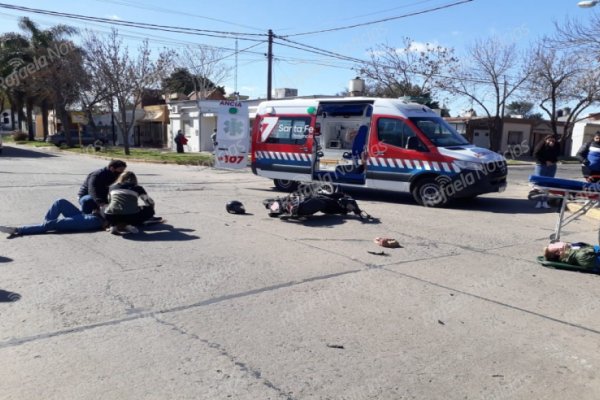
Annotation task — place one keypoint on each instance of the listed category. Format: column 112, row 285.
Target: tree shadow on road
column 23, row 153
column 162, row 233
column 9, row 297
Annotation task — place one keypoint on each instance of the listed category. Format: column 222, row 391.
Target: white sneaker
column 545, row 205
column 538, row 204
column 8, row 229
column 131, row 229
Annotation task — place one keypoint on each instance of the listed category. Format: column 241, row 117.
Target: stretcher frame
column 588, row 196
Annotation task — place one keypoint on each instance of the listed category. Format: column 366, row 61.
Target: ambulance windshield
column 439, row 132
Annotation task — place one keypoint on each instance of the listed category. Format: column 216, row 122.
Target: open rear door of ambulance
column 283, row 149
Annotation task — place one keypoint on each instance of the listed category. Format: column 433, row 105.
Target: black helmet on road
column 235, row 207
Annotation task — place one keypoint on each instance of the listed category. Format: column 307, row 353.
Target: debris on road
column 387, row 242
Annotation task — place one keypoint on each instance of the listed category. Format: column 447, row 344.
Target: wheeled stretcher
column 566, row 190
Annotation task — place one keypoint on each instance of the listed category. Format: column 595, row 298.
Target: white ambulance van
column 371, row 143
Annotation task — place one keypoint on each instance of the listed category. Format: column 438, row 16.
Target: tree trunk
column 13, row 120
column 65, row 121
column 20, row 113
column 91, row 123
column 124, row 129
column 29, row 110
column 496, row 133
column 44, row 107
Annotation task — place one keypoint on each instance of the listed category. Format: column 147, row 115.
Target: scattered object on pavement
column 441, row 322
column 387, row 242
column 380, row 253
column 335, row 346
column 298, row 205
column 235, row 207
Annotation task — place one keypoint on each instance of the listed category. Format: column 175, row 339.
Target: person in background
column 213, row 137
column 180, row 141
column 63, row 216
column 589, row 155
column 93, row 194
column 546, row 156
column 123, row 211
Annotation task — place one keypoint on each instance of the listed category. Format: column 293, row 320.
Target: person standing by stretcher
column 589, row 155
column 546, row 156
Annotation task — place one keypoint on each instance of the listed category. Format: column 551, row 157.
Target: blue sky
column 522, row 21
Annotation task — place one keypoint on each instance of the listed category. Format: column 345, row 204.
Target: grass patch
column 150, row 155
column 36, row 144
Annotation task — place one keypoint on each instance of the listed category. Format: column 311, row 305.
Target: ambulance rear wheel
column 429, row 193
column 285, row 185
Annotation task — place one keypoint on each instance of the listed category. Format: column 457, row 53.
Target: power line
column 142, row 25
column 136, row 5
column 382, row 20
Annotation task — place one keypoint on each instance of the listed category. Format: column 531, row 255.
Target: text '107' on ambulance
column 371, row 143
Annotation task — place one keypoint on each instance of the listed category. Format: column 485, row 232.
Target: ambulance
column 370, row 143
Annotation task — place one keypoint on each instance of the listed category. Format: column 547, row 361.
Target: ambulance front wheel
column 285, row 185
column 428, row 192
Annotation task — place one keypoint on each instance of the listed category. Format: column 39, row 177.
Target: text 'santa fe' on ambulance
column 371, row 143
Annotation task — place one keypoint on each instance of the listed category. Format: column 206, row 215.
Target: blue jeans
column 544, row 170
column 88, row 204
column 72, row 220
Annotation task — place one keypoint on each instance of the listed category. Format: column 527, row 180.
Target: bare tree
column 411, row 70
column 560, row 79
column 491, row 76
column 125, row 74
column 206, row 65
column 585, row 37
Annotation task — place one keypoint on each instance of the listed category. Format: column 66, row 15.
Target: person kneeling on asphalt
column 123, row 211
column 63, row 216
column 94, row 191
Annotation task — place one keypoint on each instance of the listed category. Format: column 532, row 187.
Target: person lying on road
column 63, row 216
column 579, row 254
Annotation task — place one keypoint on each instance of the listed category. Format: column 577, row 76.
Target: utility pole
column 269, row 64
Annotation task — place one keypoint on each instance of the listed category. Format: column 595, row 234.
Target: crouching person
column 63, row 216
column 123, row 211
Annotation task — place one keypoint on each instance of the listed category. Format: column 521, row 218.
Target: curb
column 594, row 213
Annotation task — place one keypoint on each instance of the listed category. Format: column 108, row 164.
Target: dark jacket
column 97, row 183
column 544, row 153
column 589, row 154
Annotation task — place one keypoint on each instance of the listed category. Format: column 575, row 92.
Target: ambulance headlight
column 469, row 165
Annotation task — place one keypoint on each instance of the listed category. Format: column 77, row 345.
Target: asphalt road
column 216, row 306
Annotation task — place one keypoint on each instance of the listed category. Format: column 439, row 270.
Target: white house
column 583, row 131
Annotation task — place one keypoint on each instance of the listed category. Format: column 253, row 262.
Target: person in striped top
column 124, row 211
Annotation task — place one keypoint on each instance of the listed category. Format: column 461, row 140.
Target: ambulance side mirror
column 317, row 130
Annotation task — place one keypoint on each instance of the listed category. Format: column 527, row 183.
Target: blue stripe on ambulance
column 267, row 158
column 283, row 156
column 405, row 165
